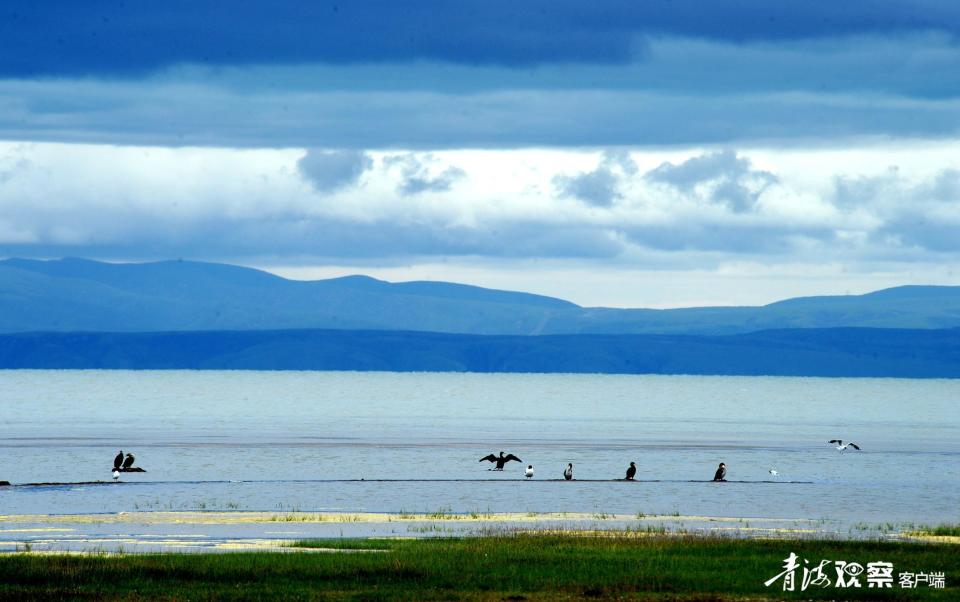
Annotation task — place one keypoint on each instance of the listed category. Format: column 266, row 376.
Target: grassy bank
column 491, row 568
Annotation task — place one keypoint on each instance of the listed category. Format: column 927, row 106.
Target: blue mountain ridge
column 73, row 294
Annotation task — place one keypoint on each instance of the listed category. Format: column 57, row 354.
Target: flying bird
column 632, row 471
column 721, row 474
column 568, row 473
column 529, row 472
column 773, row 472
column 501, row 461
column 128, row 461
column 841, row 447
column 118, row 460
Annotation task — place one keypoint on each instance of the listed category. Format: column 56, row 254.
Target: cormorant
column 118, row 460
column 568, row 473
column 721, row 474
column 128, row 461
column 501, row 461
column 632, row 471
column 841, row 447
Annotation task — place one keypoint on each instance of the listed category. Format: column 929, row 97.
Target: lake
column 269, row 441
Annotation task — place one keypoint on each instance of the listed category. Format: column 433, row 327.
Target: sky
column 615, row 153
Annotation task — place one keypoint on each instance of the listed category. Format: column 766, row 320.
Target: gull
column 501, row 461
column 529, row 472
column 841, row 447
column 116, row 474
column 773, row 472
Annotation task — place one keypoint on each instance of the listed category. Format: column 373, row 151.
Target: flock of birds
column 124, row 463
column 720, row 475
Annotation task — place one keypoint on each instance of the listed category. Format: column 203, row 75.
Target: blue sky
column 614, row 153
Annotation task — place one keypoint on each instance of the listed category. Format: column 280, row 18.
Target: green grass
column 944, row 530
column 520, row 567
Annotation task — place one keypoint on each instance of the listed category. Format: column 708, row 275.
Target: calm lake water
column 292, row 440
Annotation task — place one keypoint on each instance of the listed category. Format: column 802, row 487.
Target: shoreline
column 224, row 531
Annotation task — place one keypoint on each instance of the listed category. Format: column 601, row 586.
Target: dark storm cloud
column 76, row 37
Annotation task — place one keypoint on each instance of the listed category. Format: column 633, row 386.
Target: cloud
column 89, row 38
column 601, row 186
column 243, row 205
column 910, row 212
column 720, row 177
column 331, row 170
column 418, row 174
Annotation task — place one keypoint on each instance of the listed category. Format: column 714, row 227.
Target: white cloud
column 674, row 210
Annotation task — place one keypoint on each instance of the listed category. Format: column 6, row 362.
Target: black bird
column 721, row 474
column 118, row 460
column 128, row 461
column 568, row 473
column 632, row 471
column 501, row 461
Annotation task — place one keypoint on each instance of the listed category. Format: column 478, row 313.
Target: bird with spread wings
column 500, row 461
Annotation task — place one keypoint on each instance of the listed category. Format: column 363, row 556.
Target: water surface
column 296, row 440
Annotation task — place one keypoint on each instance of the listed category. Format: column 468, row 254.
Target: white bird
column 841, row 447
column 773, row 472
column 116, row 474
column 529, row 472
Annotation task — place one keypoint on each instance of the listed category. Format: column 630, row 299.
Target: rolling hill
column 71, row 295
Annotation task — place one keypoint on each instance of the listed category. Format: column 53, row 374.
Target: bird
column 774, row 472
column 568, row 473
column 721, row 474
column 841, row 447
column 118, row 460
column 128, row 461
column 116, row 473
column 501, row 461
column 529, row 472
column 632, row 471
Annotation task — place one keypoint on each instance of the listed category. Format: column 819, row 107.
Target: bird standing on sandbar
column 632, row 471
column 501, row 461
column 117, row 461
column 529, row 472
column 721, row 474
column 841, row 447
column 568, row 473
column 128, row 461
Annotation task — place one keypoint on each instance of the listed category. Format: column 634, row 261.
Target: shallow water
column 295, row 440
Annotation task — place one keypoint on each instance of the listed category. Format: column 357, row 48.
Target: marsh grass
column 945, row 530
column 533, row 567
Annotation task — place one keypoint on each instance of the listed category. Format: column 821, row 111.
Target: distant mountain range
column 83, row 295
column 797, row 352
